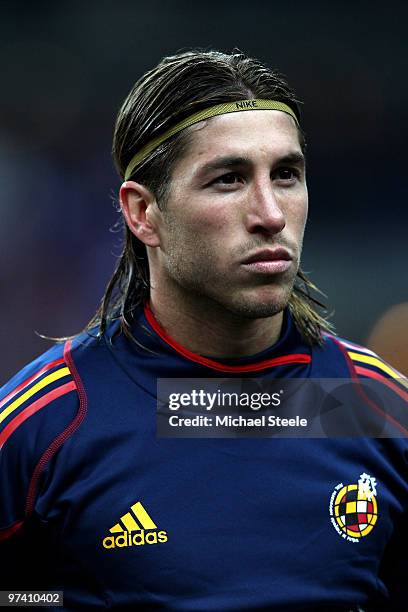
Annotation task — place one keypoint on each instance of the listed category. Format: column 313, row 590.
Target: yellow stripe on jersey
column 33, row 390
column 374, row 361
column 143, row 516
column 129, row 522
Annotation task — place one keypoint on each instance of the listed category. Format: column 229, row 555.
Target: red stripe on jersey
column 383, row 379
column 21, row 386
column 32, row 408
column 215, row 365
column 6, row 533
column 68, row 431
column 354, row 371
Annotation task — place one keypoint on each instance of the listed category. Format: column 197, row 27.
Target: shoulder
column 36, row 386
column 40, row 408
column 366, row 364
column 367, row 382
column 338, row 356
column 382, row 386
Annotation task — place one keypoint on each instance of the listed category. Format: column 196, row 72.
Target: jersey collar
column 289, row 349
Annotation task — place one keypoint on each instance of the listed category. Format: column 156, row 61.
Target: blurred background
column 67, row 66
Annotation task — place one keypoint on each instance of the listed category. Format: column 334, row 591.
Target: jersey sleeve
column 38, row 408
column 375, row 374
column 382, row 384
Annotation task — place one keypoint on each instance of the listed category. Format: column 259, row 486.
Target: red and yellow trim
column 353, row 357
column 386, row 381
column 25, row 391
column 46, row 368
column 44, row 382
column 74, row 384
column 372, row 366
column 32, row 409
column 376, row 362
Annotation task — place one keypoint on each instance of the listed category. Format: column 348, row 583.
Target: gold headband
column 219, row 109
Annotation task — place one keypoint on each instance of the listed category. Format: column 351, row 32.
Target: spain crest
column 354, row 509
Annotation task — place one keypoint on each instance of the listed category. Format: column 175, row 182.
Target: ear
column 140, row 210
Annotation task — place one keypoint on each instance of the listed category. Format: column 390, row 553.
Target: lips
column 268, row 261
column 276, row 254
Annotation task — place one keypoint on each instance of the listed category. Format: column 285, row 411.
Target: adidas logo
column 135, row 528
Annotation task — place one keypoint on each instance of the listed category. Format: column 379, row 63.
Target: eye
column 286, row 175
column 231, row 178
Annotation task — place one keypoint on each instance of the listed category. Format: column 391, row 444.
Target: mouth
column 269, row 261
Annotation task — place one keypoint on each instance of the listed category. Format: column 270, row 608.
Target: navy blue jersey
column 101, row 508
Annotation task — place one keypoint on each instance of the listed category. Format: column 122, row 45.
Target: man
column 209, row 285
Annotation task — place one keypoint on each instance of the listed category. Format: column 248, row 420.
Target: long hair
column 177, row 87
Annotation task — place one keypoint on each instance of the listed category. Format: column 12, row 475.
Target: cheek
column 298, row 212
column 303, row 217
column 213, row 225
column 198, row 238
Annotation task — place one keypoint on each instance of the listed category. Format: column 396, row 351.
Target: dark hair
column 177, row 87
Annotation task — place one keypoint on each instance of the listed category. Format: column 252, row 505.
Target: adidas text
column 139, row 538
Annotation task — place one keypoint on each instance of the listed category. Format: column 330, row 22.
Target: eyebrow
column 231, row 161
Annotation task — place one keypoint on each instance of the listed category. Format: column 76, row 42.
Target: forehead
column 256, row 134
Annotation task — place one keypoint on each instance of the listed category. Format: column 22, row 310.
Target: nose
column 264, row 213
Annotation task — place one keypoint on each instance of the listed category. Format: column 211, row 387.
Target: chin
column 258, row 311
column 257, row 307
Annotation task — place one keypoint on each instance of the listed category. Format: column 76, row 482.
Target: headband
column 213, row 111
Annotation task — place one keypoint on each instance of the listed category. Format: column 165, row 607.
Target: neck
column 207, row 328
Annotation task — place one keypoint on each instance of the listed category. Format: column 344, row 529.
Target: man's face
column 232, row 228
